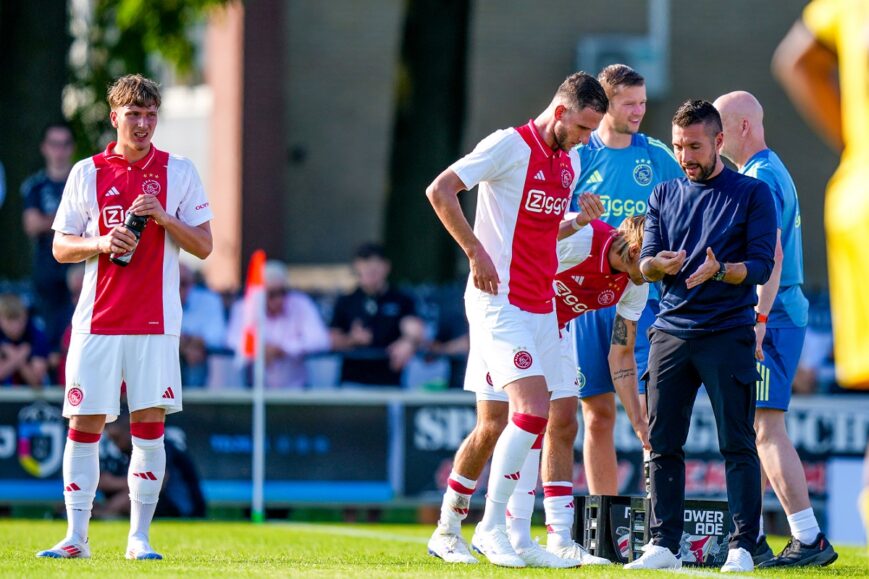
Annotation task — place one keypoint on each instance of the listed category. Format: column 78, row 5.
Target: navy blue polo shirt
column 733, row 214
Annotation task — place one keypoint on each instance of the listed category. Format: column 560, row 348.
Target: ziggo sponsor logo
column 539, row 202
column 622, row 208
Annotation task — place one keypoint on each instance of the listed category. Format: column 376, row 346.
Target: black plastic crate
column 602, row 525
column 707, row 525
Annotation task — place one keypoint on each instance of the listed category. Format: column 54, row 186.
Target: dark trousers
column 724, row 362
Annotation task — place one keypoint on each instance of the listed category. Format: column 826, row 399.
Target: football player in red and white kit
column 525, row 176
column 127, row 321
column 598, row 267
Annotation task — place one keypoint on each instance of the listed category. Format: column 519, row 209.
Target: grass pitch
column 301, row 550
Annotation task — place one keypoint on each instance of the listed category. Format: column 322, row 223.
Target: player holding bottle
column 128, row 319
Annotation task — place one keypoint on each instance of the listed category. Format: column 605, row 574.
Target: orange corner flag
column 254, row 294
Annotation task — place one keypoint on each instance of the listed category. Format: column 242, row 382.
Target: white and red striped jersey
column 524, row 191
column 143, row 297
column 585, row 281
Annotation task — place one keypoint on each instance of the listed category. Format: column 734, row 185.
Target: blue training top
column 734, row 215
column 791, row 308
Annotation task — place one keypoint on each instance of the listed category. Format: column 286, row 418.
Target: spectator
column 181, row 495
column 57, row 360
column 203, row 327
column 42, row 192
column 375, row 326
column 293, row 329
column 23, row 347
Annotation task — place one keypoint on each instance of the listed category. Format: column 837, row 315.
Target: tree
column 124, row 37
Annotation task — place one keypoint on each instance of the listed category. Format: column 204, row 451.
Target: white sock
column 760, row 528
column 520, row 507
column 81, row 474
column 509, row 456
column 804, row 526
column 560, row 509
column 457, row 501
column 145, row 478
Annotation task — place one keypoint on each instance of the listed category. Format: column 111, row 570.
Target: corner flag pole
column 254, row 348
column 257, row 511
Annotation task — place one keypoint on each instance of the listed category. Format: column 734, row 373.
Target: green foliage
column 124, row 37
column 210, row 549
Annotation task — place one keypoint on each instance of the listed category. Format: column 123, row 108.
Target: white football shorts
column 97, row 364
column 507, row 344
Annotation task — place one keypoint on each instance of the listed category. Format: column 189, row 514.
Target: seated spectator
column 57, row 360
column 293, row 329
column 181, row 495
column 203, row 327
column 23, row 347
column 375, row 326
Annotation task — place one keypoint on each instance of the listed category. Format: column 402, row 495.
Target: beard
column 561, row 138
column 705, row 170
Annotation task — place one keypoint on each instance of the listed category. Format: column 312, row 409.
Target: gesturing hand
column 670, row 262
column 705, row 272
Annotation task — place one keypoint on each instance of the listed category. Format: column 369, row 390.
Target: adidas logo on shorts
column 169, row 394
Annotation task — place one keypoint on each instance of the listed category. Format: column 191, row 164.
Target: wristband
column 761, row 318
column 576, row 226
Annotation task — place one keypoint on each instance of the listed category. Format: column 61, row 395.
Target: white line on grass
column 349, row 531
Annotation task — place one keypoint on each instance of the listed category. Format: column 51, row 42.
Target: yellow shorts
column 847, row 228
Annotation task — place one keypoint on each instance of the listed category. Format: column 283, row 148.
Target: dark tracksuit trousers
column 724, row 362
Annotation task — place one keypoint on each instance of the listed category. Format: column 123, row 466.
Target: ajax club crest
column 40, row 439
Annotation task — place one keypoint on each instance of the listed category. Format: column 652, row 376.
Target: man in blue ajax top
column 621, row 165
column 710, row 237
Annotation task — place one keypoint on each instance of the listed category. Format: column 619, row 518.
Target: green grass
column 297, row 550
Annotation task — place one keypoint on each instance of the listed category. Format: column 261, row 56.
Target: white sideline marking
column 349, row 531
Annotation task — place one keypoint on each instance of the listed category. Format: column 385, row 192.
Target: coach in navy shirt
column 710, row 239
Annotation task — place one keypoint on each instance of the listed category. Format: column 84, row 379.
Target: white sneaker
column 577, row 552
column 656, row 557
column 449, row 546
column 140, row 550
column 69, row 548
column 738, row 561
column 495, row 546
column 536, row 556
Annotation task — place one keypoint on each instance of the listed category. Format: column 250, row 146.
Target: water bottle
column 136, row 224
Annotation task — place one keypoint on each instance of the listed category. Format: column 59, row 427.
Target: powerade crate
column 707, row 525
column 602, row 526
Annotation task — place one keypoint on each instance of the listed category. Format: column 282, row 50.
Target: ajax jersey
column 524, row 192
column 143, row 297
column 585, row 280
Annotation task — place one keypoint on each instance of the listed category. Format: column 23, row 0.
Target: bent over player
column 127, row 321
column 526, row 175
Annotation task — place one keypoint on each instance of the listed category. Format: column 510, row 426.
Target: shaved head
column 740, row 104
column 742, row 120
